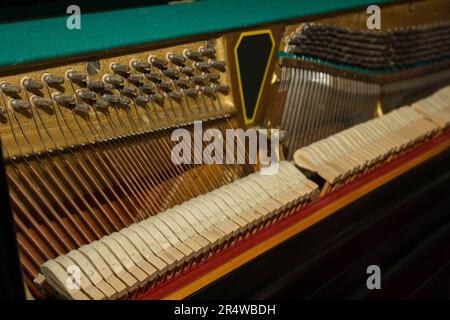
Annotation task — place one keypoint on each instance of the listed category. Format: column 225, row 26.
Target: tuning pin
column 171, row 73
column 153, row 76
column 136, row 79
column 130, row 90
column 218, row 65
column 187, row 70
column 52, row 80
column 32, row 85
column 95, row 84
column 86, row 96
column 41, row 102
column 208, row 52
column 111, row 99
column 191, row 92
column 20, row 105
column 183, row 83
column 101, row 105
column 175, row 96
column 222, row 88
column 147, row 88
column 81, row 109
column 76, row 76
column 10, row 89
column 199, row 80
column 193, row 55
column 165, row 86
column 208, row 91
column 64, row 100
column 157, row 98
column 108, row 87
column 202, row 66
column 141, row 66
column 124, row 102
column 121, row 69
column 176, row 59
column 157, row 62
column 141, row 100
column 113, row 80
column 212, row 77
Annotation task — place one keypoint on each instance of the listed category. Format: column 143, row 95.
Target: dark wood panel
column 402, row 226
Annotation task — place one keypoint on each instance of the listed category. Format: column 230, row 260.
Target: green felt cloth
column 35, row 40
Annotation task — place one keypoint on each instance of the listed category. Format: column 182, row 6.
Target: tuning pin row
column 173, row 77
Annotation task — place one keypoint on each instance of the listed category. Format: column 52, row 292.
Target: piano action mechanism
column 101, row 211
